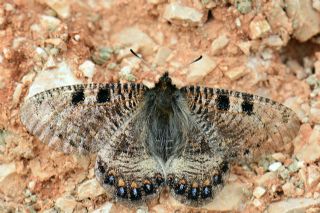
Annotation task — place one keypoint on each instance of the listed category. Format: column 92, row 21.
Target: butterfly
column 148, row 139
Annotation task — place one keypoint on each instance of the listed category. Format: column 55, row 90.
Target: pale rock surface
column 66, row 203
column 200, row 69
column 259, row 27
column 106, row 208
column 315, row 112
column 316, row 5
column 259, row 191
column 136, row 39
column 183, row 15
column 306, row 20
column 17, row 93
column 48, row 79
column 6, row 170
column 279, row 23
column 218, row 44
column 155, row 1
column 236, row 73
column 266, row 178
column 274, row 166
column 88, row 69
column 293, row 205
column 49, row 23
column 310, row 152
column 162, row 55
column 232, row 197
column 313, row 176
column 245, row 47
column 90, row 189
column 62, row 7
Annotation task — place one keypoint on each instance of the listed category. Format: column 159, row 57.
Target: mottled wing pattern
column 198, row 172
column 247, row 124
column 126, row 169
column 227, row 126
column 80, row 118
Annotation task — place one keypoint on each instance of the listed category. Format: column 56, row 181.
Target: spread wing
column 249, row 124
column 74, row 118
column 225, row 126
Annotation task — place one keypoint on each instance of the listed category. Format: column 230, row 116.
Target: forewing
column 249, row 124
column 72, row 118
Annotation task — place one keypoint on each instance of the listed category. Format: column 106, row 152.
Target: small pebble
column 275, row 166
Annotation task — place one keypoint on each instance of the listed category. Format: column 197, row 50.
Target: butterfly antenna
column 194, row 61
column 143, row 61
column 198, row 59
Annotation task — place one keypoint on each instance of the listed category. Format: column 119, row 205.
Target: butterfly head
column 163, row 94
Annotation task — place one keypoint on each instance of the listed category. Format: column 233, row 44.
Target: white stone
column 245, row 47
column 8, row 7
column 18, row 41
column 218, row 44
column 259, row 27
column 41, row 53
column 77, row 37
column 259, row 191
column 316, row 4
column 200, row 69
column 292, row 205
column 49, row 23
column 62, row 7
column 16, row 94
column 6, row 170
column 90, row 189
column 50, row 64
column 48, row 79
column 275, row 166
column 274, row 41
column 136, row 39
column 306, row 20
column 230, row 198
column 313, row 175
column 236, row 73
column 257, row 202
column 66, row 203
column 106, row 208
column 88, row 69
column 179, row 14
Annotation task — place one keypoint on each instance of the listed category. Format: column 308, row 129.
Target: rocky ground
column 269, row 48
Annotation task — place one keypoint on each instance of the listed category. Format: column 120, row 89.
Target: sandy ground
column 268, row 48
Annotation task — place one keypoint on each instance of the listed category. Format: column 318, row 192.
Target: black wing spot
column 77, row 97
column 122, row 192
column 135, row 194
column 223, row 102
column 247, row 107
column 103, row 95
